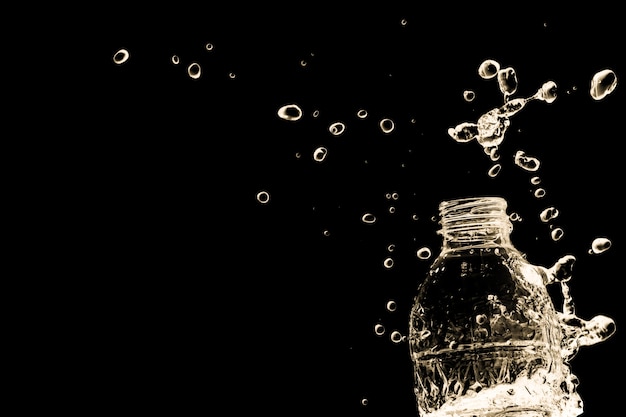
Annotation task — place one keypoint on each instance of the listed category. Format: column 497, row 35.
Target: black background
column 201, row 298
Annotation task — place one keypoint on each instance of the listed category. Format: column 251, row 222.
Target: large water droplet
column 368, row 218
column 602, row 84
column 379, row 329
column 386, row 125
column 291, row 112
column 424, row 253
column 600, row 244
column 488, row 69
column 507, row 81
column 526, row 162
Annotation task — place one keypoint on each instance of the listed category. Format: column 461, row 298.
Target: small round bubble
column 469, row 95
column 379, row 329
column 337, row 128
column 361, row 114
column 291, row 112
column 368, row 218
column 121, row 56
column 391, row 305
column 488, row 69
column 194, row 71
column 556, row 234
column 540, row 193
column 494, row 170
column 175, row 59
column 424, row 253
column 388, row 263
column 396, row 336
column 263, row 197
column 386, row 125
column 320, row 154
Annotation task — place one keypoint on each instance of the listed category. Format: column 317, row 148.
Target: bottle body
column 484, row 336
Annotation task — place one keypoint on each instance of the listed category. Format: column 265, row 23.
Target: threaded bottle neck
column 474, row 221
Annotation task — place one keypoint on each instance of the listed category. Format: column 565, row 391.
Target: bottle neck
column 474, row 222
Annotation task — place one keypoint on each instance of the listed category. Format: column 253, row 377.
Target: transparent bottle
column 484, row 336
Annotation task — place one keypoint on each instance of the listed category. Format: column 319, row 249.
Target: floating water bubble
column 547, row 92
column 600, row 244
column 394, row 196
column 379, row 329
column 208, row 46
column 337, row 128
column 557, row 233
column 396, row 336
column 320, row 154
column 540, row 192
column 388, row 263
column 194, row 70
column 121, row 56
column 507, row 81
column 424, row 253
column 391, row 305
column 291, row 112
column 469, row 95
column 175, row 59
column 361, row 114
column 386, row 125
column 602, row 84
column 526, row 162
column 488, row 69
column 368, row 218
column 263, row 197
column 494, row 170
column 548, row 214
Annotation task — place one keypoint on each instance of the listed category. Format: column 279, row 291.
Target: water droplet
column 515, row 217
column 494, row 170
column 386, row 125
column 392, row 209
column 391, row 247
column 315, row 113
column 368, row 218
column 507, row 81
column 547, row 92
column 208, row 46
column 535, row 180
column 232, row 75
column 488, row 69
column 602, row 84
column 364, row 401
column 526, row 162
column 388, row 263
column 263, row 197
column 469, row 95
column 424, row 253
column 396, row 337
column 337, row 128
column 403, row 22
column 194, row 71
column 540, row 193
column 320, row 154
column 379, row 329
column 556, row 234
column 303, row 63
column 391, row 305
column 326, row 233
column 291, row 112
column 415, row 217
column 121, row 56
column 493, row 152
column 548, row 214
column 175, row 59
column 600, row 244
column 361, row 114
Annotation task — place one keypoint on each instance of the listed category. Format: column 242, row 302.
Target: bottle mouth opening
column 473, row 218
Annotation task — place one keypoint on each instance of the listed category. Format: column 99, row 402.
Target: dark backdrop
column 203, row 297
